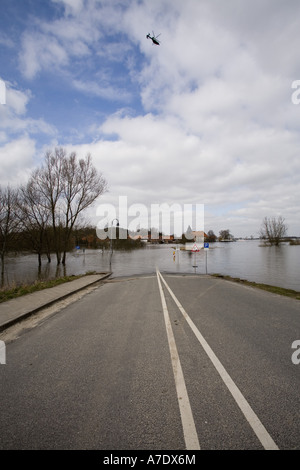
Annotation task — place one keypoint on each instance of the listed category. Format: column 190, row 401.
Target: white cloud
column 71, row 6
column 16, row 159
column 40, row 52
column 13, row 115
column 6, row 41
column 218, row 126
column 17, row 146
column 153, row 160
column 77, row 34
column 17, row 100
column 105, row 91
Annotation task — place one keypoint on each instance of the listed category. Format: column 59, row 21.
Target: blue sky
column 204, row 118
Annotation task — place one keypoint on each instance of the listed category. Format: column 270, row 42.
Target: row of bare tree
column 44, row 211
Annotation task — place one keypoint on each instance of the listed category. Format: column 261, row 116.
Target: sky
column 210, row 116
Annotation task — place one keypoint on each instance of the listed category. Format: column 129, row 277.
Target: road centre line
column 188, row 424
column 259, row 429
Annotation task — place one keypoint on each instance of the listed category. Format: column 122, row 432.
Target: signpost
column 206, row 248
column 195, row 250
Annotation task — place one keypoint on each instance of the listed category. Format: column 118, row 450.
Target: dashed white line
column 259, row 429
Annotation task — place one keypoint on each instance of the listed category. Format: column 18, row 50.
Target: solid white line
column 259, row 429
column 188, row 424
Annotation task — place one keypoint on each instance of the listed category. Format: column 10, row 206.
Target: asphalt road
column 129, row 367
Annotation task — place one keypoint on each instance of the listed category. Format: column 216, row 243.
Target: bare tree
column 67, row 187
column 9, row 222
column 273, row 230
column 35, row 219
column 48, row 181
column 81, row 186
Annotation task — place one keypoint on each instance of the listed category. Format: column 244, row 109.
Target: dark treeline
column 86, row 237
column 43, row 215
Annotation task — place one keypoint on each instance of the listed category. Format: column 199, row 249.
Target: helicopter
column 154, row 38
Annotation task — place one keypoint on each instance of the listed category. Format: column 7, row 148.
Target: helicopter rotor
column 153, row 38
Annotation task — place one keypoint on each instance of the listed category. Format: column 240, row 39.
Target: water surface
column 249, row 260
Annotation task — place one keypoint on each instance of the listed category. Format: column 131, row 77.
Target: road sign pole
column 195, row 250
column 206, row 248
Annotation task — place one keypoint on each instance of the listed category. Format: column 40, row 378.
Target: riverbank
column 274, row 289
column 20, row 290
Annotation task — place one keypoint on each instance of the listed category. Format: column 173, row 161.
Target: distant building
column 160, row 238
column 199, row 236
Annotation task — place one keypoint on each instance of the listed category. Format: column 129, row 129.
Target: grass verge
column 18, row 291
column 274, row 289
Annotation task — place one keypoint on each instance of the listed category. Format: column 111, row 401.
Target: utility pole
column 111, row 243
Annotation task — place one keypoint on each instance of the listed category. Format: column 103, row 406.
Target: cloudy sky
column 207, row 117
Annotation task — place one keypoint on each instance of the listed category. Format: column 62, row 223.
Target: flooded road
column 244, row 259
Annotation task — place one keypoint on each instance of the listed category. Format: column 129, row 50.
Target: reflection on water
column 245, row 259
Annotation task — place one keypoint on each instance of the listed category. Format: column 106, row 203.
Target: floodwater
column 249, row 260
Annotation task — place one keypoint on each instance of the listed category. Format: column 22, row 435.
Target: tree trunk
column 58, row 257
column 2, row 268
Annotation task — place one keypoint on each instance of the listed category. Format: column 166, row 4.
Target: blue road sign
column 206, row 245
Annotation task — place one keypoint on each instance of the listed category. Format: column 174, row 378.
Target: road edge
column 18, row 319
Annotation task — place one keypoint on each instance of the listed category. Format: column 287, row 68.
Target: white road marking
column 259, row 429
column 188, row 424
